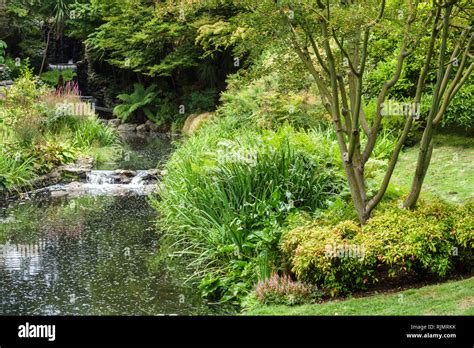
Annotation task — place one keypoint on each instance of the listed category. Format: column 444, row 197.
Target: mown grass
column 450, row 175
column 450, row 298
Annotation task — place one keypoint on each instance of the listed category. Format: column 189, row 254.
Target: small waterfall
column 117, row 182
column 100, row 177
column 105, row 182
column 138, row 180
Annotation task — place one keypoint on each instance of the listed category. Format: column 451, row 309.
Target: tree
column 332, row 39
column 56, row 23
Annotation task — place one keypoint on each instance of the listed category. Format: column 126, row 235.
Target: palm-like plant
column 140, row 100
column 56, row 23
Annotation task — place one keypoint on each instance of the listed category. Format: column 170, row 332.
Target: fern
column 140, row 100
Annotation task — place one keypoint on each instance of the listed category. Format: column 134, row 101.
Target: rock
column 49, row 179
column 152, row 172
column 57, row 194
column 122, row 176
column 6, row 83
column 127, row 127
column 71, row 172
column 152, row 175
column 85, row 162
column 152, row 126
column 125, row 172
column 114, row 122
column 194, row 121
column 143, row 128
column 78, row 170
column 75, row 185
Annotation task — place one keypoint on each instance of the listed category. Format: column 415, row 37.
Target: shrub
column 283, row 290
column 381, row 73
column 433, row 240
column 314, row 255
column 50, row 153
column 459, row 112
column 52, row 77
column 264, row 104
column 200, row 101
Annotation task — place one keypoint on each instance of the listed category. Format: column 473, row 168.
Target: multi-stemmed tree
column 333, row 38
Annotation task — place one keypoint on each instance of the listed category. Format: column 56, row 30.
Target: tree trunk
column 426, row 145
column 45, row 52
column 418, row 179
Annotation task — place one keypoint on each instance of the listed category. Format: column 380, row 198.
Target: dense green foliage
column 37, row 135
column 188, row 48
column 157, row 43
column 3, row 47
column 267, row 162
column 231, row 188
column 53, row 77
column 228, row 192
column 139, row 100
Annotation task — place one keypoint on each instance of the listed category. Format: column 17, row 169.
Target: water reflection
column 89, row 255
column 142, row 151
column 22, row 257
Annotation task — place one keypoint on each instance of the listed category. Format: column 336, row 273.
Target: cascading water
column 138, row 180
column 105, row 183
column 115, row 182
column 100, row 177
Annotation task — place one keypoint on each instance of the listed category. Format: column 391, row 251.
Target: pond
column 142, row 151
column 90, row 255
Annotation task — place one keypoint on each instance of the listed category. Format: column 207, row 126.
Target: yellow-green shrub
column 434, row 239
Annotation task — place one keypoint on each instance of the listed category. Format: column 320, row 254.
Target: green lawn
column 451, row 298
column 451, row 172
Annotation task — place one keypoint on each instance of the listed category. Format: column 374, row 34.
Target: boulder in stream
column 127, row 127
column 143, row 128
column 78, row 170
column 115, row 122
column 152, row 126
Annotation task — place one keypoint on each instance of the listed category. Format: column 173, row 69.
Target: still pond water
column 91, row 255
